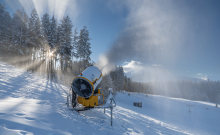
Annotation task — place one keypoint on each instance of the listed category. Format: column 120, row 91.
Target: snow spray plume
column 105, row 65
column 152, row 34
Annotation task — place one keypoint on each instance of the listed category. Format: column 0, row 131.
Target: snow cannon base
column 94, row 100
column 78, row 103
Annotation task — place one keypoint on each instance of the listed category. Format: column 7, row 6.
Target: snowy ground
column 32, row 105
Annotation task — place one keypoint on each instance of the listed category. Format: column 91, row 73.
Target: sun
column 50, row 54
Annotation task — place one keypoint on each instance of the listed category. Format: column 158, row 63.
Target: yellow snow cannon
column 85, row 89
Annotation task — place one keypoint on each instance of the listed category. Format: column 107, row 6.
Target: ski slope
column 32, row 105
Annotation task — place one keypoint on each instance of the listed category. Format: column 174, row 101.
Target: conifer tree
column 2, row 21
column 5, row 28
column 20, row 31
column 83, row 50
column 53, row 33
column 34, row 30
column 118, row 77
column 46, row 30
column 34, row 33
column 75, row 44
column 129, row 85
column 107, row 82
column 121, row 77
column 65, row 38
column 8, row 29
column 125, row 83
column 59, row 35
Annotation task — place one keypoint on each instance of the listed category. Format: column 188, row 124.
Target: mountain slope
column 32, row 105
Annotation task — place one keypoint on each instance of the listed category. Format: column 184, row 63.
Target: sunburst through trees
column 43, row 45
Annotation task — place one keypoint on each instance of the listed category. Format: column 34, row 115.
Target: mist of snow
column 152, row 34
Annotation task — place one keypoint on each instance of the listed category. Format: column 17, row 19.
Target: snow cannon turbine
column 85, row 89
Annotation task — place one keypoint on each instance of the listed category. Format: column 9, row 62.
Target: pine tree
column 24, row 33
column 5, row 28
column 118, row 78
column 83, row 50
column 20, row 31
column 2, row 21
column 65, row 38
column 59, row 35
column 34, row 30
column 125, row 83
column 46, row 30
column 75, row 44
column 35, row 34
column 121, row 77
column 107, row 82
column 8, row 29
column 53, row 33
column 129, row 85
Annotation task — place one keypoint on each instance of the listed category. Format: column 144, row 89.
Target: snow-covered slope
column 163, row 115
column 32, row 105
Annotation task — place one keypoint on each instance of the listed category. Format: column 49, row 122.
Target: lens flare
column 50, row 54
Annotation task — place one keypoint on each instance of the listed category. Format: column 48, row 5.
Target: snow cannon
column 85, row 89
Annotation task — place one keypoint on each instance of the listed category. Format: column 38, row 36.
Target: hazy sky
column 178, row 37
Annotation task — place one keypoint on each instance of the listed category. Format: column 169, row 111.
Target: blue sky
column 180, row 37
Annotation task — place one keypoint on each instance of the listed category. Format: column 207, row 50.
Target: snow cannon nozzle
column 85, row 85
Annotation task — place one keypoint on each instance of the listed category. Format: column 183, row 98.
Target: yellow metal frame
column 91, row 101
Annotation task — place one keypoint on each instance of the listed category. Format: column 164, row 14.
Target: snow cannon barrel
column 86, row 84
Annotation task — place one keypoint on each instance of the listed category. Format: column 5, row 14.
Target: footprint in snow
column 81, row 129
column 23, row 133
column 2, row 114
column 29, row 118
column 45, row 121
column 102, row 121
column 19, row 114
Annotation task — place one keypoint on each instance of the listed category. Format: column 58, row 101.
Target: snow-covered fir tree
column 121, row 77
column 46, row 30
column 65, row 38
column 34, row 30
column 53, row 33
column 129, row 84
column 83, row 48
column 20, row 31
column 125, row 83
column 2, row 21
column 118, row 77
column 5, row 28
column 75, row 44
column 107, row 82
column 8, row 29
column 59, row 35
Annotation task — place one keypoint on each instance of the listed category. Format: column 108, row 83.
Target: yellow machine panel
column 94, row 100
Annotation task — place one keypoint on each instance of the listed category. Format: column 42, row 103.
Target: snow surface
column 32, row 105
